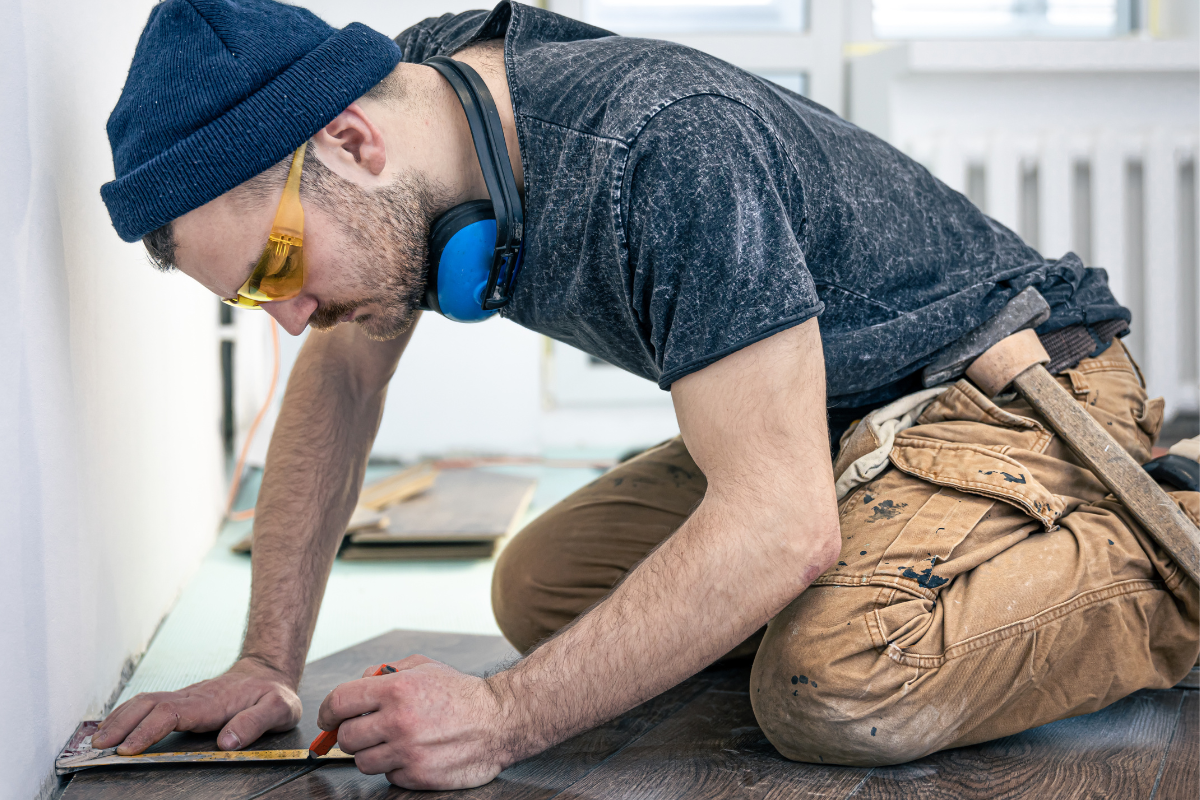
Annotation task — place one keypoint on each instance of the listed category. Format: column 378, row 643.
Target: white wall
column 467, row 388
column 110, row 472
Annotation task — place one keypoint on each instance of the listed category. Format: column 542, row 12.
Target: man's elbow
column 802, row 539
column 830, row 547
column 817, row 546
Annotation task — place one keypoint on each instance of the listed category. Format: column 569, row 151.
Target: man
column 745, row 249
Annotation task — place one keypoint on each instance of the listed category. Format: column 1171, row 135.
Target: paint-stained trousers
column 988, row 583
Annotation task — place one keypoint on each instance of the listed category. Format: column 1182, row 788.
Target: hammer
column 1005, row 351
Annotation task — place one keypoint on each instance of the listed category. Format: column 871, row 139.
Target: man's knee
column 823, row 694
column 521, row 590
column 567, row 559
column 851, row 733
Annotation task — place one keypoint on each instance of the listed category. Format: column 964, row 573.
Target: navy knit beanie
column 218, row 91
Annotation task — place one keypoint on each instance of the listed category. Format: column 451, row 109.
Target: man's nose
column 292, row 314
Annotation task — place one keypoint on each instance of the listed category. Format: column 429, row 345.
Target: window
column 924, row 19
column 696, row 16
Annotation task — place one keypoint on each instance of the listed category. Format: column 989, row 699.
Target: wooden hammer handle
column 1115, row 468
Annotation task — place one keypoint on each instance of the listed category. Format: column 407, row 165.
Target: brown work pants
column 987, row 582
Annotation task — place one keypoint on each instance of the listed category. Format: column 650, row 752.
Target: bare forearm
column 705, row 590
column 312, row 479
column 314, row 469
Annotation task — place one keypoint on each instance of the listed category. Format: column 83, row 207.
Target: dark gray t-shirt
column 678, row 209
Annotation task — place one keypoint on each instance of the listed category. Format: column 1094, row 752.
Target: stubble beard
column 387, row 255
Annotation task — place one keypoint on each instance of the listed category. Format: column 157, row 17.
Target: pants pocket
column 978, row 470
column 917, row 559
column 915, row 567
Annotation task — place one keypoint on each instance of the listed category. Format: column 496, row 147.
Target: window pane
column 689, row 16
column 916, row 19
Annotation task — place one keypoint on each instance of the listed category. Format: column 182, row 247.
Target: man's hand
column 248, row 700
column 426, row 726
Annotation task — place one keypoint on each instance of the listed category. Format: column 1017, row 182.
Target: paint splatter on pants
column 987, row 584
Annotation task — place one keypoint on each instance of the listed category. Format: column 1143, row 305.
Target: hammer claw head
column 1027, row 309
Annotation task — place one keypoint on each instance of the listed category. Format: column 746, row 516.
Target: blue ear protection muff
column 475, row 247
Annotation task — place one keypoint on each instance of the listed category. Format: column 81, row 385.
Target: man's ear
column 351, row 143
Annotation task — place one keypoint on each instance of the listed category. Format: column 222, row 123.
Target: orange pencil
column 327, row 739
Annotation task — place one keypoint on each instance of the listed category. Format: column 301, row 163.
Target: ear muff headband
column 488, row 136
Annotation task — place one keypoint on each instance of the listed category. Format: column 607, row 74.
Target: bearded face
column 384, row 257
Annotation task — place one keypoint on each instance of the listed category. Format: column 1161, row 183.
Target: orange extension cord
column 236, row 483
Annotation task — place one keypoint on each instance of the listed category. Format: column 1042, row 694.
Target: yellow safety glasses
column 279, row 273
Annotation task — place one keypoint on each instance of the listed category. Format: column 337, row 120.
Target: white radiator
column 1122, row 201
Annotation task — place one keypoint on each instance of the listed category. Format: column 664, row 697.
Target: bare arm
column 755, row 424
column 314, row 471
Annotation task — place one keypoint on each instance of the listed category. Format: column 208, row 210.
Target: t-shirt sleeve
column 714, row 208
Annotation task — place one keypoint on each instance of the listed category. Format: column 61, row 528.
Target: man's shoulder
column 613, row 87
column 574, row 75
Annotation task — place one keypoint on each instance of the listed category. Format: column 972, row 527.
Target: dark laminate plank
column 1112, row 753
column 733, row 677
column 1179, row 778
column 700, row 740
column 711, row 749
column 473, row 654
column 553, row 771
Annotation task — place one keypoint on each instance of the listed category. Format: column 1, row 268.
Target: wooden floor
column 700, row 740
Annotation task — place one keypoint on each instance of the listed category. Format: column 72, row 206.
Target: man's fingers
column 360, row 733
column 378, row 760
column 246, row 705
column 123, row 719
column 161, row 720
column 412, row 661
column 349, row 700
column 271, row 712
